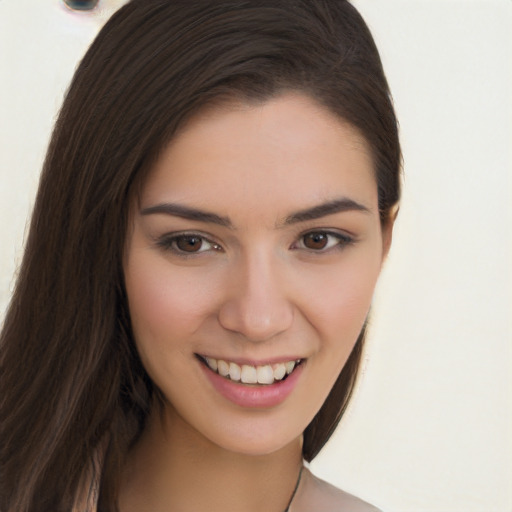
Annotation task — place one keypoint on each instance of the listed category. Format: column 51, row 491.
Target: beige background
column 430, row 429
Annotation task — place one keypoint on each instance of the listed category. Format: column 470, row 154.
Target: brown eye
column 316, row 241
column 323, row 241
column 189, row 243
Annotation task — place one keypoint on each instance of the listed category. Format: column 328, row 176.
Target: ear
column 387, row 231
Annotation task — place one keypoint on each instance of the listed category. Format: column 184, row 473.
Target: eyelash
column 335, row 241
column 169, row 243
column 338, row 241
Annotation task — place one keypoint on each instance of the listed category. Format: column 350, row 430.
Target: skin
column 257, row 290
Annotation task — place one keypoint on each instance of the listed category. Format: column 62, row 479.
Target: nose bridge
column 258, row 306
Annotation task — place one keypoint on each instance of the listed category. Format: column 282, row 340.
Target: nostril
column 81, row 5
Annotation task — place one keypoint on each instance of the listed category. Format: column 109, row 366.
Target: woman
column 214, row 210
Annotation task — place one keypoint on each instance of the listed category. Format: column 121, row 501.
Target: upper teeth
column 248, row 374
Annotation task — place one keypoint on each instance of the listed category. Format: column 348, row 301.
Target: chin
column 259, row 446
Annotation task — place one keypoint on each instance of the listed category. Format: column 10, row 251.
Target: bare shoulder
column 316, row 495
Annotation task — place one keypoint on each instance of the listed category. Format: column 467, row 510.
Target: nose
column 257, row 304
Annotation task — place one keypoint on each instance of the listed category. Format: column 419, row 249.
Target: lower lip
column 254, row 396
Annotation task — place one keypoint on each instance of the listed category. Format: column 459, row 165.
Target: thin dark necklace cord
column 294, row 491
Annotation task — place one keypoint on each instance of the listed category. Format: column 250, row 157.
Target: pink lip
column 254, row 396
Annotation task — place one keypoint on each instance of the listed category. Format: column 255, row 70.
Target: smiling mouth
column 247, row 374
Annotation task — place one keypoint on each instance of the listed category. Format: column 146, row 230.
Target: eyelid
column 167, row 241
column 343, row 240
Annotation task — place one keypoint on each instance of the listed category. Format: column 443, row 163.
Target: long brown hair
column 71, row 379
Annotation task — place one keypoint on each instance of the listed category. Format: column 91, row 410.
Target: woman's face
column 253, row 251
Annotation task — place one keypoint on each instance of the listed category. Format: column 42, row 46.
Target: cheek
column 339, row 309
column 351, row 296
column 166, row 304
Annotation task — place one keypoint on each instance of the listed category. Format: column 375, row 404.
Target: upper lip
column 253, row 362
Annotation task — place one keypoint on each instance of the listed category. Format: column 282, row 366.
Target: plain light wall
column 430, row 427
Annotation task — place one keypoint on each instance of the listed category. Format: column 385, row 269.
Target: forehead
column 280, row 154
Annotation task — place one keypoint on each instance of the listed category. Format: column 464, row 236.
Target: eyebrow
column 343, row 204
column 316, row 212
column 187, row 212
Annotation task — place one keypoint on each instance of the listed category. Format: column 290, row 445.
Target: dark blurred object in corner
column 81, row 5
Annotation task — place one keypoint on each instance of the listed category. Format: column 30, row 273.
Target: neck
column 173, row 467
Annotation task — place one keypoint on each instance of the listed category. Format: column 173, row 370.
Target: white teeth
column 223, row 368
column 234, row 371
column 290, row 365
column 265, row 374
column 279, row 371
column 212, row 363
column 248, row 374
